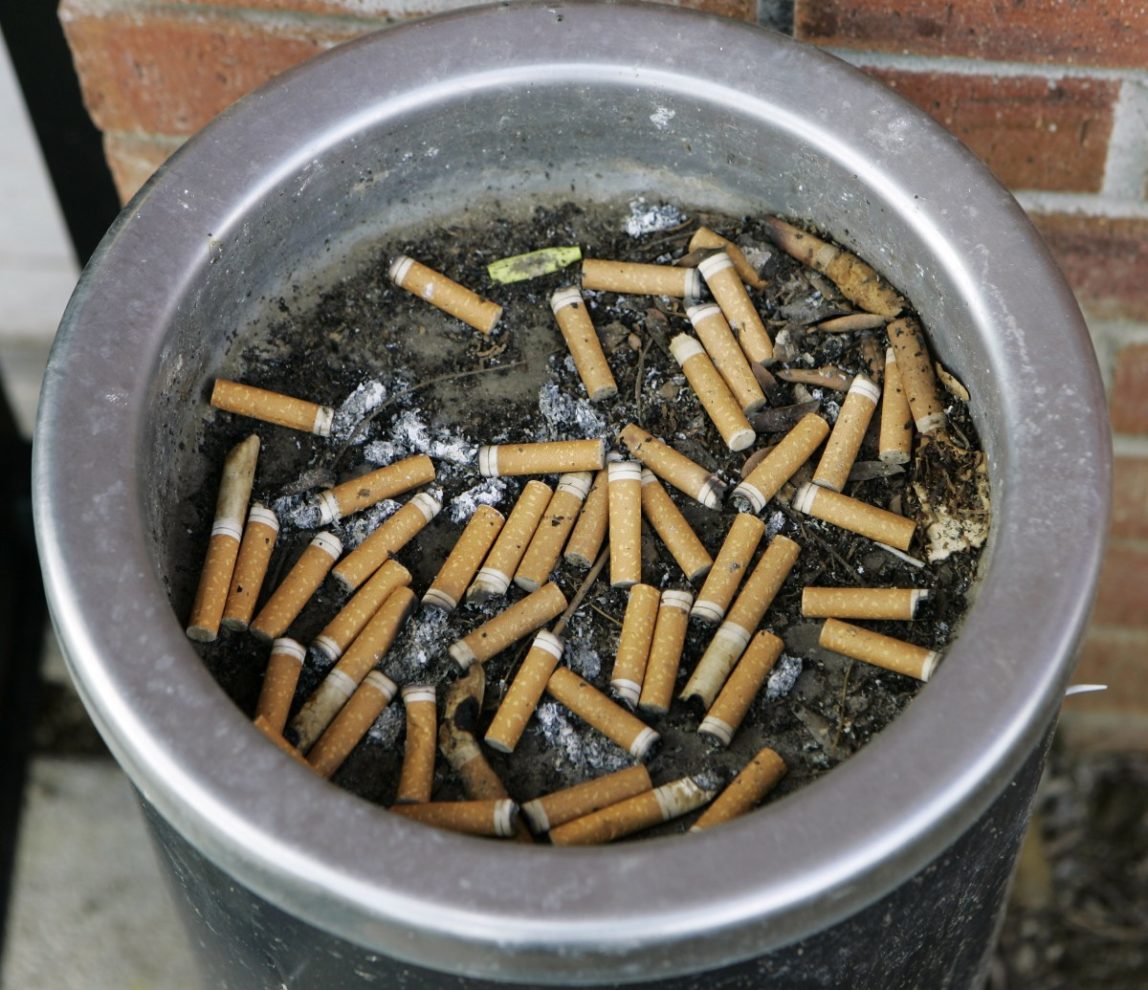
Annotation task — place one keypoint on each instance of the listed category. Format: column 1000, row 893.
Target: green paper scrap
column 524, row 266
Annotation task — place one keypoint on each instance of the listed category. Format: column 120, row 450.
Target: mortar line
column 1126, row 168
column 1084, row 204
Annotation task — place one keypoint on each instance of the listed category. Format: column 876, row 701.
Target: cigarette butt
column 351, row 723
column 729, row 568
column 845, row 440
column 673, row 529
column 720, row 657
column 590, row 529
column 861, row 603
column 673, row 468
column 849, row 322
column 463, row 561
column 553, row 457
column 296, row 589
column 634, row 643
column 706, row 238
column 855, row 516
column 640, row 280
column 351, row 619
column 599, row 712
column 880, row 650
column 223, row 548
column 544, row 261
column 728, row 711
column 509, row 626
column 546, row 544
column 755, row 780
column 369, row 489
column 277, row 738
column 917, row 377
column 717, row 338
column 783, row 462
column 368, row 648
column 712, row 392
column 493, row 577
column 562, row 806
column 582, row 340
column 625, row 502
column 271, row 407
column 445, row 294
column 524, row 693
column 388, row 539
column 662, row 804
column 479, row 780
column 250, row 567
column 742, row 316
column 491, row 818
column 416, row 778
column 279, row 682
column 896, row 437
column 665, row 652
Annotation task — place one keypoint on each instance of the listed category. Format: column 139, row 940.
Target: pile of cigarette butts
column 590, row 518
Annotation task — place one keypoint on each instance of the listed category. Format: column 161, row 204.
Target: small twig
column 841, row 708
column 638, row 376
column 591, row 577
column 609, row 618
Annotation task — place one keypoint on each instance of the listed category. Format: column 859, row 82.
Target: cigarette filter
column 861, row 603
column 552, row 457
column 783, row 462
column 479, row 780
column 546, row 544
column 590, row 529
column 416, row 779
column 705, row 238
column 582, row 340
column 452, row 298
column 279, row 682
column 562, row 806
column 296, row 589
column 351, row 723
column 493, row 577
column 726, row 353
column 625, row 502
column 599, row 712
column 634, row 643
column 387, row 539
column 845, row 441
column 855, row 516
column 763, row 584
column 640, row 280
column 674, row 529
column 277, row 738
column 880, row 650
column 917, row 377
column 726, row 714
column 712, row 392
column 756, row 779
column 462, row 563
column 666, row 652
column 742, row 316
column 729, row 568
column 662, row 804
column 674, row 468
column 223, row 549
column 368, row 489
column 524, row 693
column 509, row 626
column 271, row 407
column 896, row 438
column 492, row 818
column 368, row 648
column 720, row 657
column 351, row 619
column 250, row 567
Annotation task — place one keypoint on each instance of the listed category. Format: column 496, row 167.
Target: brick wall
column 1052, row 94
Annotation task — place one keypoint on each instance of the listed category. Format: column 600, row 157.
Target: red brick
column 1118, row 658
column 1104, row 258
column 1128, row 403
column 169, row 71
column 1033, row 132
column 1122, row 596
column 1111, row 33
column 1130, row 498
column 132, row 158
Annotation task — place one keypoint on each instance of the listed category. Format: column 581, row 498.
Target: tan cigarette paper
column 352, row 618
column 639, row 279
column 729, row 567
column 729, row 710
column 673, row 529
column 494, row 817
column 463, row 561
column 493, row 577
column 783, row 462
column 896, row 438
column 712, row 392
column 255, row 551
column 662, row 804
column 388, row 539
column 737, row 307
column 546, row 544
column 855, row 516
column 880, row 650
column 861, row 603
column 625, row 508
column 509, row 626
column 706, row 238
column 562, row 806
column 296, row 589
column 445, row 294
column 755, row 780
column 271, row 407
column 582, row 340
column 665, row 652
column 672, row 467
column 279, row 682
column 552, row 457
column 277, row 738
column 371, row 488
column 848, row 432
column 351, row 723
column 590, row 529
column 634, row 643
column 416, row 778
column 598, row 711
column 525, row 691
column 726, row 353
column 917, row 377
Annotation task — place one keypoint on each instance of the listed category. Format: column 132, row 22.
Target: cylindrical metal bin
column 522, row 102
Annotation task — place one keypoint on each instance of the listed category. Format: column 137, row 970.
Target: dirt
column 449, row 384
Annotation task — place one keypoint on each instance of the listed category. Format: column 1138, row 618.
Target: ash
column 352, row 530
column 360, row 404
column 420, row 646
column 580, row 655
column 774, row 524
column 783, row 677
column 491, row 491
column 386, row 728
column 296, row 511
column 410, row 434
column 648, row 218
column 589, row 753
column 565, row 417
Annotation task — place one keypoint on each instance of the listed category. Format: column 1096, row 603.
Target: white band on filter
column 462, row 654
column 693, row 284
column 576, row 483
column 439, row 599
column 227, row 527
column 864, row 387
column 399, row 268
column 749, row 494
column 428, row 505
column 716, row 727
column 929, row 665
column 705, row 311
column 504, row 817
column 329, row 511
column 327, row 646
column 324, row 418
column 679, row 797
column 707, row 610
column 805, row 497
column 642, row 743
column 566, row 297
column 930, row 423
column 488, row 461
column 286, row 646
column 491, row 581
column 629, row 691
column 414, row 693
column 383, row 684
column 677, row 599
column 734, row 633
column 535, row 813
column 715, row 263
column 710, row 494
column 328, row 543
column 624, row 471
column 550, row 643
column 264, row 516
column 683, row 347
